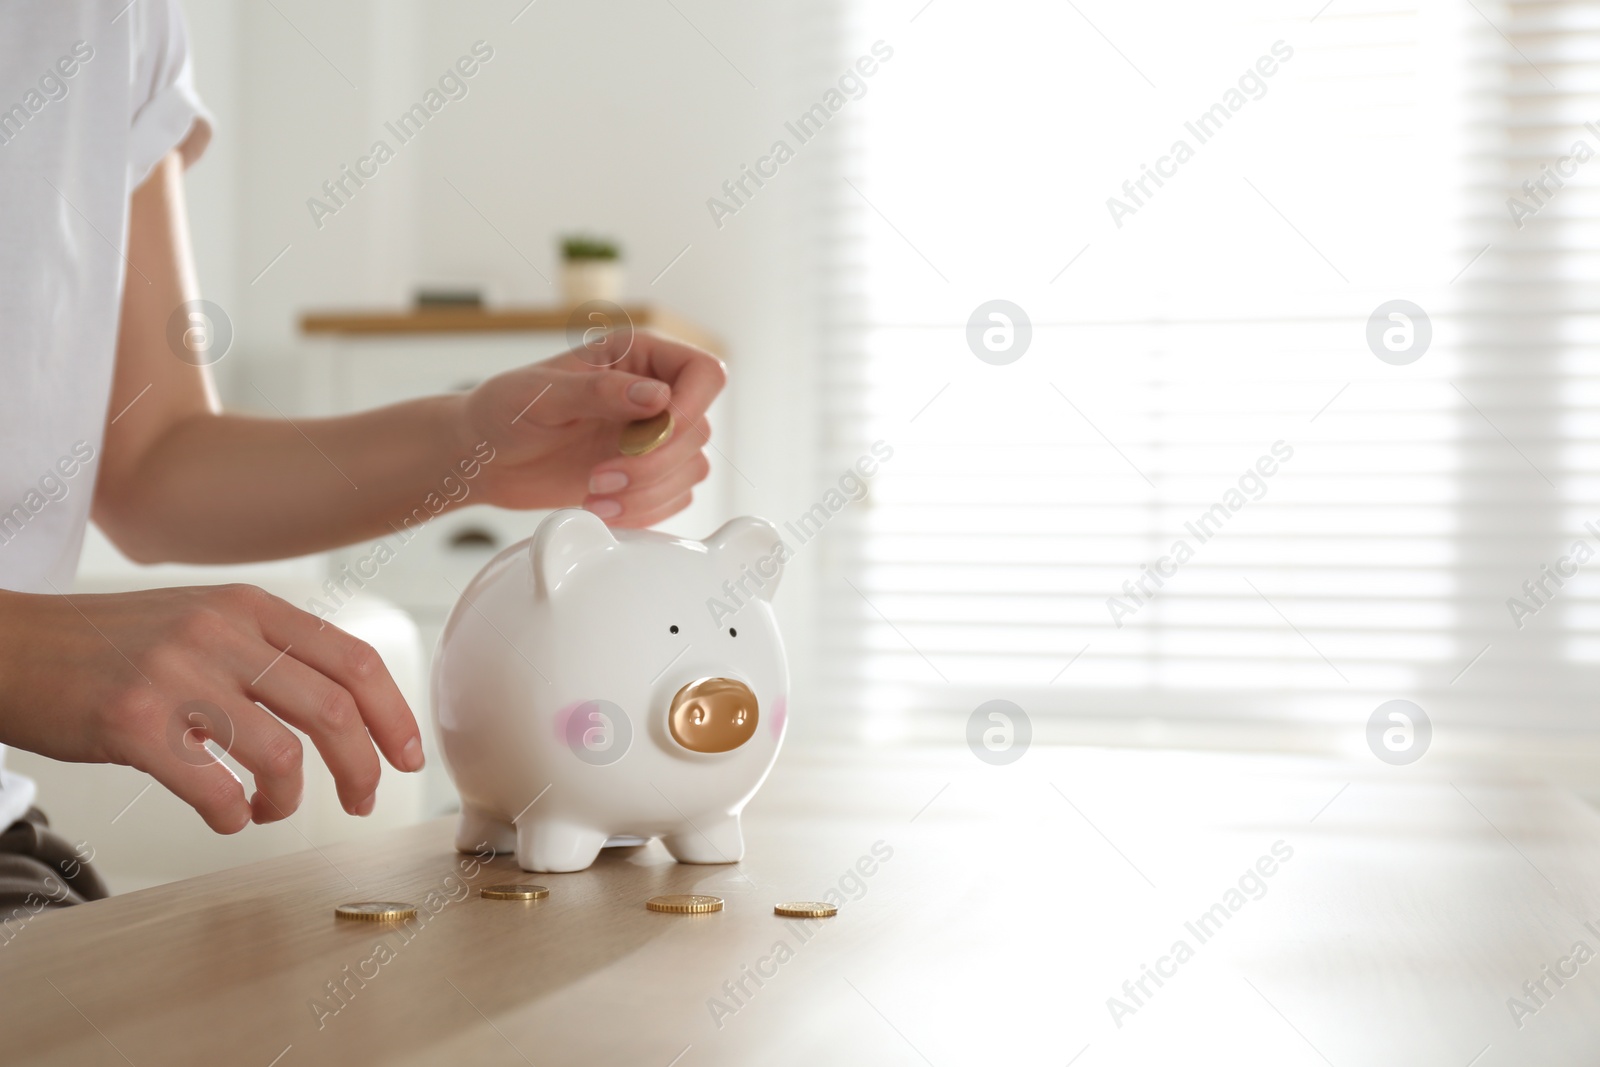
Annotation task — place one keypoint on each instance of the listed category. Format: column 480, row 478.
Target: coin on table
column 685, row 903
column 514, row 892
column 805, row 909
column 646, row 435
column 377, row 911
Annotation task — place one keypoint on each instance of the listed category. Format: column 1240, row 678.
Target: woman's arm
column 180, row 480
column 145, row 678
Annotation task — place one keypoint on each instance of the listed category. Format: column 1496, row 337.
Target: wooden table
column 994, row 912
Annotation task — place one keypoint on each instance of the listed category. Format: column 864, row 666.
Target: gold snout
column 713, row 715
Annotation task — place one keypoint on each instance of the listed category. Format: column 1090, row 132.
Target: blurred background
column 1200, row 218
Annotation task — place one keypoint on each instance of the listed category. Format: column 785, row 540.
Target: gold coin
column 685, row 903
column 376, row 911
column 805, row 909
column 646, row 435
column 514, row 892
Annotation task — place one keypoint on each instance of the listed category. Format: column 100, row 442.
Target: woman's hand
column 144, row 679
column 555, row 428
column 179, row 480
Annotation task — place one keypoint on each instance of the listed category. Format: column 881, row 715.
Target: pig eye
column 672, row 629
column 732, row 632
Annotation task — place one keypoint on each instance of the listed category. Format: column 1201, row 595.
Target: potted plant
column 591, row 269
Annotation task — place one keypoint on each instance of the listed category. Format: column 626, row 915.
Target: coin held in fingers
column 377, row 911
column 514, row 892
column 646, row 435
column 685, row 903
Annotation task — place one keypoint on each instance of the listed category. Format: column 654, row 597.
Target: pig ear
column 754, row 543
column 562, row 542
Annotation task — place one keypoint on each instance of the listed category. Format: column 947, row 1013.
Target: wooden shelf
column 410, row 322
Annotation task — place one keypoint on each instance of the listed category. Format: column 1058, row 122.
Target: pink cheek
column 563, row 719
column 780, row 713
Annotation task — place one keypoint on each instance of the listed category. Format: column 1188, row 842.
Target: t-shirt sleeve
column 167, row 112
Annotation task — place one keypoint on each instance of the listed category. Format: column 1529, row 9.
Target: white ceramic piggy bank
column 592, row 685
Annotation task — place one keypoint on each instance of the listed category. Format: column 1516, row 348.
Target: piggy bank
column 595, row 686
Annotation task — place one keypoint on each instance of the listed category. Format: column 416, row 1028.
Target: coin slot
column 473, row 537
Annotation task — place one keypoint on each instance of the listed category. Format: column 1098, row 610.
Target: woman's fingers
column 371, row 702
column 271, row 753
column 149, row 679
column 546, row 397
column 696, row 376
column 327, row 713
column 620, row 492
column 657, row 374
column 207, row 786
column 656, row 465
column 649, row 516
column 314, row 677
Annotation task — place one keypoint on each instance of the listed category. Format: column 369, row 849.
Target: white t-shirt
column 93, row 93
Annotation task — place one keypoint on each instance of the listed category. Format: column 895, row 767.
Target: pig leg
column 552, row 846
column 708, row 840
column 477, row 828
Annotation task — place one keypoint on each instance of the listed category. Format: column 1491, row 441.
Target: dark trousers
column 39, row 869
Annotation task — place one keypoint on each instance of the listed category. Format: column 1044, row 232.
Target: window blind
column 1201, row 491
